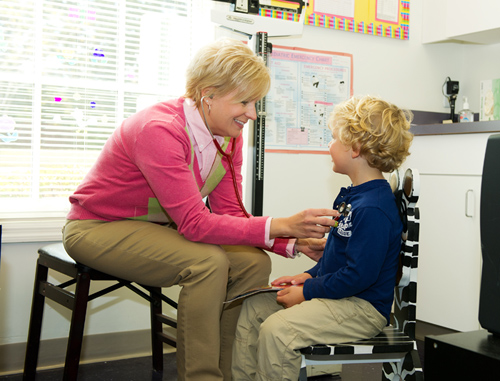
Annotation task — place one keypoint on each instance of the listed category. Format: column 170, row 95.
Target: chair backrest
column 406, row 188
column 489, row 298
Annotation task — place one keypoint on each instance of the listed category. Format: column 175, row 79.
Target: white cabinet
column 449, row 272
column 461, row 20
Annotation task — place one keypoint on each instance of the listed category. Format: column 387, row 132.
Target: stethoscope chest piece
column 344, row 209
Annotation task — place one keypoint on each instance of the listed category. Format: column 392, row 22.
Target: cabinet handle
column 469, row 203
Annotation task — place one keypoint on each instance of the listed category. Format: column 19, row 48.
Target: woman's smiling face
column 226, row 116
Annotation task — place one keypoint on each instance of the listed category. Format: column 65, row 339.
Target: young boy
column 349, row 293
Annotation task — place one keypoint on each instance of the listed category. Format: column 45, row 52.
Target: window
column 70, row 72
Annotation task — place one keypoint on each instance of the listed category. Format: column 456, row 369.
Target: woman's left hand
column 290, row 296
column 312, row 247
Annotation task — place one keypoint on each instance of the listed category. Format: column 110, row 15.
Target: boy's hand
column 291, row 280
column 311, row 247
column 290, row 296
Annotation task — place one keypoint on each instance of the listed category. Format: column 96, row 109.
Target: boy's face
column 340, row 153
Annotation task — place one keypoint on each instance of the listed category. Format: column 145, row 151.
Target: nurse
column 139, row 213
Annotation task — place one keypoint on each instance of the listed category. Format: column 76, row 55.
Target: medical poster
column 306, row 85
column 384, row 18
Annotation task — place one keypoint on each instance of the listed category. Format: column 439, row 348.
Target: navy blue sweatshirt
column 361, row 254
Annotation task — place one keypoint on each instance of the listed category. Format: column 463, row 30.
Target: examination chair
column 395, row 346
column 55, row 258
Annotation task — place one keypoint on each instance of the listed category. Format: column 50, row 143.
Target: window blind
column 70, row 72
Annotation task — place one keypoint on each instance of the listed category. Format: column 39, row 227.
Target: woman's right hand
column 310, row 223
column 312, row 247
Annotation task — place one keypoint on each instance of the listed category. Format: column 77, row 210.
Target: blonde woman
column 140, row 214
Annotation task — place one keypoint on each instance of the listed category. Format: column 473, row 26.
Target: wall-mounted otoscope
column 452, row 88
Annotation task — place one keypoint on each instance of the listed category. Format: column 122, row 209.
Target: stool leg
column 77, row 326
column 35, row 327
column 156, row 329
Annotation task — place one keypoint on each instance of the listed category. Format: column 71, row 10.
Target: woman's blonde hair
column 379, row 129
column 224, row 66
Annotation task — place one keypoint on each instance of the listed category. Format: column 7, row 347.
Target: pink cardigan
column 147, row 171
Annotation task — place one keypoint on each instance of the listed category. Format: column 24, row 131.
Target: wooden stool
column 54, row 257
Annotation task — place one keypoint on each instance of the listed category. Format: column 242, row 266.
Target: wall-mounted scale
column 243, row 16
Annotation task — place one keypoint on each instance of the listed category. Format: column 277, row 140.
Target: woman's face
column 227, row 116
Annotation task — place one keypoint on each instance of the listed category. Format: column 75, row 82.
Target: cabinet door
column 460, row 20
column 473, row 22
column 460, row 154
column 449, row 253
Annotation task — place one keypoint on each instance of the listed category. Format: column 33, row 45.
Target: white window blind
column 70, row 72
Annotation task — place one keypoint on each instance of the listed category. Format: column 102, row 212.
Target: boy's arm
column 314, row 271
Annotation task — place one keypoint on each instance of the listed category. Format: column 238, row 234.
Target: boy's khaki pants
column 268, row 336
column 157, row 255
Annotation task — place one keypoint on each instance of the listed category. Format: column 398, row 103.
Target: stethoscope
column 344, row 210
column 228, row 156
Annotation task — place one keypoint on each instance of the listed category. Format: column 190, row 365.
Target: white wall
column 405, row 72
column 17, row 272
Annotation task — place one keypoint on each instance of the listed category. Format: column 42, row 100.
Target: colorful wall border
column 277, row 14
column 364, row 21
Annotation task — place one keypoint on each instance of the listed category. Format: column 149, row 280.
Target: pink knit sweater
column 147, row 171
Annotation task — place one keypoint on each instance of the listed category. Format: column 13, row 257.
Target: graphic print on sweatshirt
column 345, row 225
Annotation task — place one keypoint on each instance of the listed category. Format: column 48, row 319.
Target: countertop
column 456, row 128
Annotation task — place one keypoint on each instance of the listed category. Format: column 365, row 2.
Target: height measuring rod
column 262, row 50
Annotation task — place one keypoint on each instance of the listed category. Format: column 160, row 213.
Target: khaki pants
column 157, row 255
column 268, row 336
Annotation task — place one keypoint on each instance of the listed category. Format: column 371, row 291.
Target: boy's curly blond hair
column 379, row 129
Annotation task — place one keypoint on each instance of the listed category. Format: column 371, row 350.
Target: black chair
column 396, row 345
column 55, row 258
column 489, row 298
